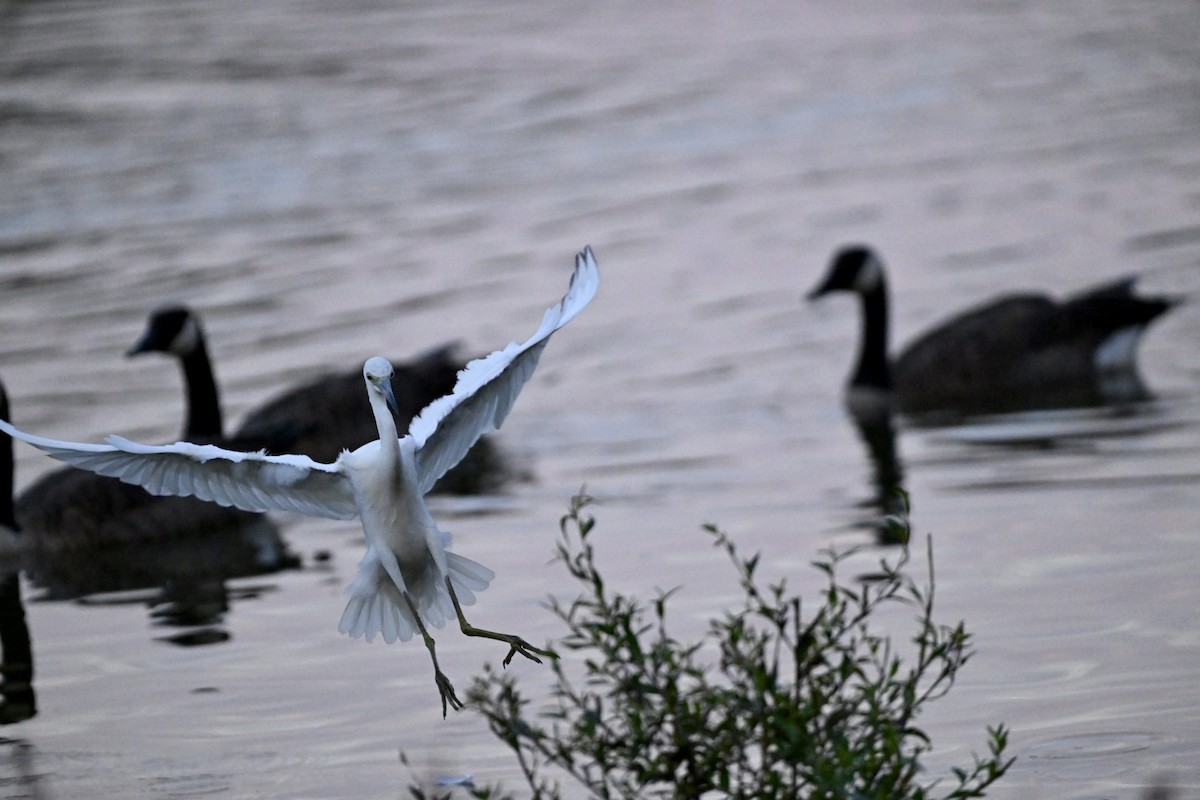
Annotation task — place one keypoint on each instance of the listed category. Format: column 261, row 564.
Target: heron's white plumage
column 376, row 606
column 383, row 482
column 249, row 481
column 487, row 387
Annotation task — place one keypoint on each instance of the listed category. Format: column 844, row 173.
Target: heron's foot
column 446, row 689
column 515, row 643
column 518, row 645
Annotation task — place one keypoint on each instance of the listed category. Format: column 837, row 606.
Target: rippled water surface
column 325, row 182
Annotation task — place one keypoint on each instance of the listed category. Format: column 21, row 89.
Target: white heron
column 318, row 418
column 407, row 580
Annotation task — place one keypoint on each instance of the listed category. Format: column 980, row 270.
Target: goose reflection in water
column 17, row 700
column 182, row 581
column 877, row 429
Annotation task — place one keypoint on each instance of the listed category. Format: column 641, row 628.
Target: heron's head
column 378, row 374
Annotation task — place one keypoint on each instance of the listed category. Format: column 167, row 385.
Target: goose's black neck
column 873, row 369
column 204, row 406
column 6, row 469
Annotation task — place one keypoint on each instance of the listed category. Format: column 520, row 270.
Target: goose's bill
column 143, row 345
column 819, row 291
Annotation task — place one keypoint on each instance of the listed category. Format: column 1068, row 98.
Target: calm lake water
column 326, row 182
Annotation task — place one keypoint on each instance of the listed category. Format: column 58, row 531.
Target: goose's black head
column 855, row 268
column 170, row 329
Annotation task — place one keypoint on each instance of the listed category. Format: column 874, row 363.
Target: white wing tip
column 586, row 269
column 585, row 280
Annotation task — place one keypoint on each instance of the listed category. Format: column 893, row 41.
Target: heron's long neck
column 204, row 405
column 873, row 368
column 389, row 441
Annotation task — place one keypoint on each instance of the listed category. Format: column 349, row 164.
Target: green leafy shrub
column 776, row 701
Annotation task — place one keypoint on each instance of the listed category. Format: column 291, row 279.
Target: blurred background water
column 327, row 182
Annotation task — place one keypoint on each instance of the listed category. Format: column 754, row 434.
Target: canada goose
column 1018, row 352
column 407, row 579
column 319, row 418
column 131, row 541
column 71, row 509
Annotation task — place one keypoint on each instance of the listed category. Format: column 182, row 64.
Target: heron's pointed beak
column 390, row 397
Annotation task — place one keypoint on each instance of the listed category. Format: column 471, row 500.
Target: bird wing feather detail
column 249, row 481
column 487, row 387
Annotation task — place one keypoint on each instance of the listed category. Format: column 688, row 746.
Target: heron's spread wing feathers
column 249, row 481
column 488, row 387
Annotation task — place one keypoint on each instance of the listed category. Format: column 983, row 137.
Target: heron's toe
column 446, row 689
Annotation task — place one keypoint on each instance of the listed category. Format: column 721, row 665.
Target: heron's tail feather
column 467, row 577
column 376, row 606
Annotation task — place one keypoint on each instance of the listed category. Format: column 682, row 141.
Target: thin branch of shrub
column 777, row 700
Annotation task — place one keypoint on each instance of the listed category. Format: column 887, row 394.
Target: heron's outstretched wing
column 249, row 481
column 487, row 387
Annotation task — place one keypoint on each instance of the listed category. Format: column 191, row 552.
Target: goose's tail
column 376, row 606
